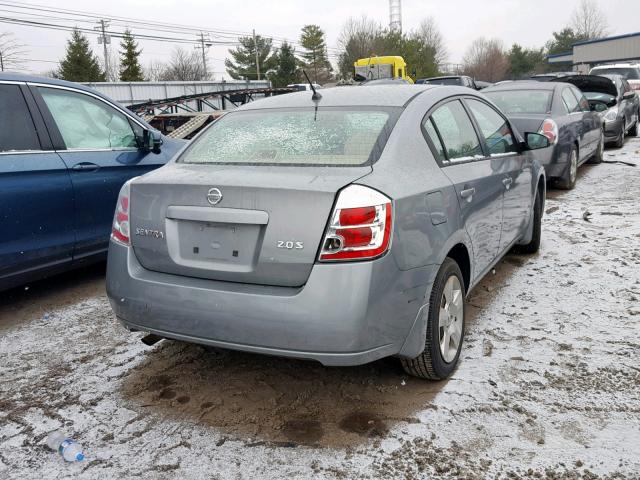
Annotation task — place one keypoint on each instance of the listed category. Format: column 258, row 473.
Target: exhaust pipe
column 150, row 339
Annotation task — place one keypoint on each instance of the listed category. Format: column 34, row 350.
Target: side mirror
column 151, row 141
column 535, row 141
column 629, row 95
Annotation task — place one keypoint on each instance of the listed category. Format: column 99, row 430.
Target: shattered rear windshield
column 301, row 136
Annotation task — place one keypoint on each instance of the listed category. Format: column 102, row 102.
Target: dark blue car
column 65, row 151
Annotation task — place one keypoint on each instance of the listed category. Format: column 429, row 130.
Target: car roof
column 444, row 77
column 523, row 85
column 374, row 95
column 21, row 77
column 617, row 65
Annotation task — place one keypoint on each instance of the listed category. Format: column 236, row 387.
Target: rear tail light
column 359, row 227
column 635, row 86
column 120, row 229
column 549, row 129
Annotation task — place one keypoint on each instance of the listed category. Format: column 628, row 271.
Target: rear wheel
column 633, row 132
column 599, row 155
column 568, row 180
column 620, row 140
column 445, row 326
column 534, row 245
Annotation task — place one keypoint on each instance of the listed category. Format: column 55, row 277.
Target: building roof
column 607, row 39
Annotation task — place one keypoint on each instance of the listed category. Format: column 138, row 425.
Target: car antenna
column 316, row 96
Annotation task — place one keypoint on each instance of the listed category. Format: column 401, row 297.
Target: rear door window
column 570, row 101
column 456, row 130
column 495, row 129
column 432, row 135
column 582, row 101
column 17, row 131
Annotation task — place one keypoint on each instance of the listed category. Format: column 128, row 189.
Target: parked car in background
column 385, row 81
column 65, row 151
column 453, row 80
column 303, row 86
column 481, row 85
column 544, row 77
column 616, row 102
column 342, row 230
column 561, row 113
column 629, row 71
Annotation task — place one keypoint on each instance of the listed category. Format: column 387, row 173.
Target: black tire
column 430, row 364
column 633, row 131
column 620, row 140
column 568, row 180
column 534, row 245
column 599, row 155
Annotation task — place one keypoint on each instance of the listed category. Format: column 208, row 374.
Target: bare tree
column 588, row 21
column 430, row 35
column 359, row 38
column 184, row 66
column 154, row 71
column 11, row 52
column 486, row 60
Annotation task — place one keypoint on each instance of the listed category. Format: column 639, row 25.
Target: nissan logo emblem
column 214, row 195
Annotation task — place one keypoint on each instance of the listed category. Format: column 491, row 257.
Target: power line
column 174, row 28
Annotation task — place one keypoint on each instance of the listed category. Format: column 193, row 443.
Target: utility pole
column 1, row 62
column 204, row 45
column 255, row 44
column 104, row 39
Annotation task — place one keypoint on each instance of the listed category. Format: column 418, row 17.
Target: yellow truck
column 374, row 68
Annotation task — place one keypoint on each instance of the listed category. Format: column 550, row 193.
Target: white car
column 629, row 71
column 303, row 86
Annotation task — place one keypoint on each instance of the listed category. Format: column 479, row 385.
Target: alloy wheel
column 573, row 166
column 450, row 319
column 601, row 146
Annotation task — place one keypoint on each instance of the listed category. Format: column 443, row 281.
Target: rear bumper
column 346, row 314
column 612, row 130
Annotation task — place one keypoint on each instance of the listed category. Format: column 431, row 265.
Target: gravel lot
column 548, row 385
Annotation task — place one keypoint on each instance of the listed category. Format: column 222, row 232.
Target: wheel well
column 460, row 255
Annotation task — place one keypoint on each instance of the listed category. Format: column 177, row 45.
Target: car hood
column 590, row 83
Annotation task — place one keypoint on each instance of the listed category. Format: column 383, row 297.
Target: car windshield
column 602, row 97
column 521, row 101
column 444, row 81
column 328, row 136
column 627, row 72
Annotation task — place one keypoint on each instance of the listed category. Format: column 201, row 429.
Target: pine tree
column 79, row 63
column 314, row 56
column 243, row 64
column 130, row 69
column 286, row 66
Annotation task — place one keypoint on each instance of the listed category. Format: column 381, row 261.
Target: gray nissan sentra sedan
column 341, row 229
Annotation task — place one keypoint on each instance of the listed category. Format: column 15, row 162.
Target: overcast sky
column 527, row 22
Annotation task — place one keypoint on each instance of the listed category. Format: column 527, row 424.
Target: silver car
column 342, row 228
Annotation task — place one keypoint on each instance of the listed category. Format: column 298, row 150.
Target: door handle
column 468, row 193
column 507, row 182
column 85, row 166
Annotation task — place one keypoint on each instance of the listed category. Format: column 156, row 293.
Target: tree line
column 424, row 50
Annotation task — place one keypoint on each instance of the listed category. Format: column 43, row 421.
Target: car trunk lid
column 249, row 224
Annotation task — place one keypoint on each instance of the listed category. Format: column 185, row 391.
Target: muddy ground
column 548, row 385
